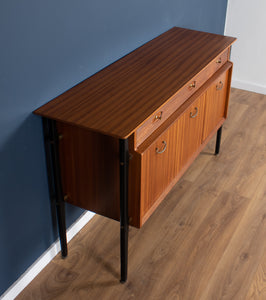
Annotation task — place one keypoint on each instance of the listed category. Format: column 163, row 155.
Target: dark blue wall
column 46, row 47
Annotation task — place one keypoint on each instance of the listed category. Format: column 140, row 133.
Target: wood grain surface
column 192, row 128
column 90, row 160
column 180, row 97
column 159, row 167
column 207, row 240
column 216, row 100
column 90, row 170
column 119, row 98
column 160, row 171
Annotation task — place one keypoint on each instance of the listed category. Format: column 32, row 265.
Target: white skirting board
column 44, row 259
column 249, row 86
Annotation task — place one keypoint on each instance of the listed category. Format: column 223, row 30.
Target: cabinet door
column 159, row 166
column 163, row 160
column 216, row 104
column 192, row 127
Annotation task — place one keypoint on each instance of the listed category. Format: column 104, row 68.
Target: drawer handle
column 219, row 61
column 193, row 84
column 159, row 117
column 219, row 86
column 195, row 114
column 164, row 148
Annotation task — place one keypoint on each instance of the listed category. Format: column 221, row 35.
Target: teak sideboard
column 118, row 142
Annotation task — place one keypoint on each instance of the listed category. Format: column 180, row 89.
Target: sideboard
column 117, row 142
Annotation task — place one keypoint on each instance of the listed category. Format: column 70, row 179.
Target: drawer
column 173, row 103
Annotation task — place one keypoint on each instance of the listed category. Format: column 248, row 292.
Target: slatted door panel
column 159, row 166
column 216, row 104
column 192, row 127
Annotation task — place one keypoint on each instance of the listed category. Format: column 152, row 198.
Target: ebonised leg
column 54, row 178
column 218, row 140
column 124, row 156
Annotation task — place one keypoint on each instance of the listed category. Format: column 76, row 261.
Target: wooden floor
column 207, row 240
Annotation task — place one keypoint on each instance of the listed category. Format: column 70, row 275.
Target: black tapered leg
column 54, row 178
column 124, row 156
column 218, row 140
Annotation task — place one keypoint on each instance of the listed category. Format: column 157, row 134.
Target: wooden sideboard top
column 118, row 99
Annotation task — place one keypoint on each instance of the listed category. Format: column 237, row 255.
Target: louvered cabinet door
column 216, row 104
column 163, row 160
column 191, row 133
column 159, row 167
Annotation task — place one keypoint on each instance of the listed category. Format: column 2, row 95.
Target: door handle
column 164, row 148
column 195, row 114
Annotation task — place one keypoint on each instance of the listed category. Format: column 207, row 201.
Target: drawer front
column 152, row 123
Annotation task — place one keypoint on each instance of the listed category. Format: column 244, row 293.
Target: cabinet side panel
column 90, row 170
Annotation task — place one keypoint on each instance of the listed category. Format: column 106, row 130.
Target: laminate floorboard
column 206, row 240
column 257, row 289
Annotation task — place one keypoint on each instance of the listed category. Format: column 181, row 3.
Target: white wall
column 246, row 20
